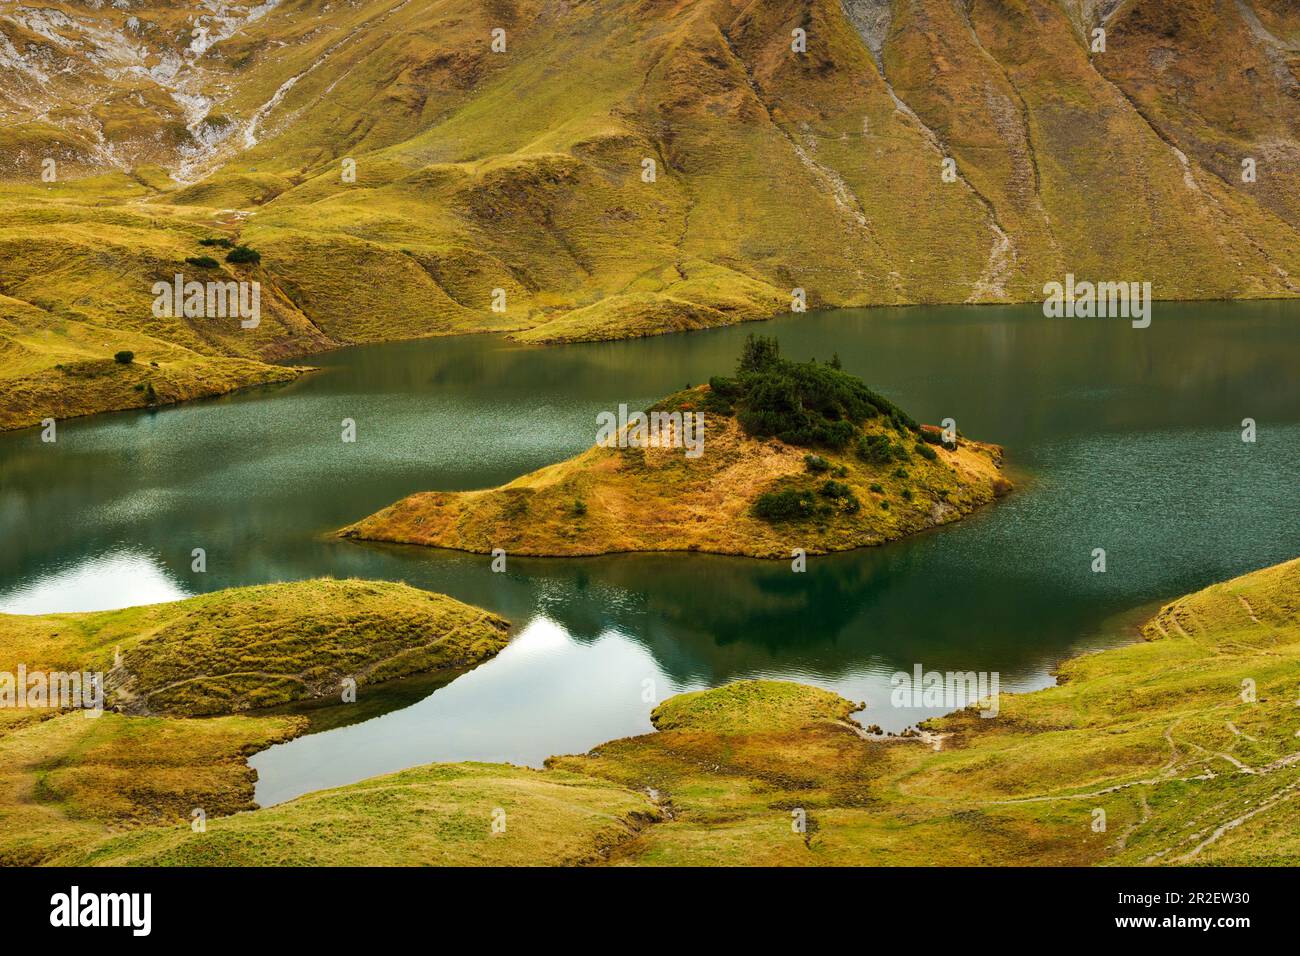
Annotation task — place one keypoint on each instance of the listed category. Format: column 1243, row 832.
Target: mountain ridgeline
column 562, row 172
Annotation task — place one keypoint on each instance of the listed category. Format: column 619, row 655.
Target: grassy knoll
column 66, row 778
column 255, row 647
column 75, row 289
column 63, row 368
column 795, row 455
column 1156, row 734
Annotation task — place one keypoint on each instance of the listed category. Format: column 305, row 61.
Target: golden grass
column 442, row 815
column 67, row 778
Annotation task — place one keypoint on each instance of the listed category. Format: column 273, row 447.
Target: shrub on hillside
column 124, row 357
column 838, row 491
column 758, row 352
column 880, row 449
column 202, row 262
column 788, row 505
column 243, row 254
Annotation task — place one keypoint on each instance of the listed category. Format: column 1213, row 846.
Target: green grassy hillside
column 1156, row 735
column 524, row 170
column 442, row 815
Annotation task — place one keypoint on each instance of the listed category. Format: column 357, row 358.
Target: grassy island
column 790, row 455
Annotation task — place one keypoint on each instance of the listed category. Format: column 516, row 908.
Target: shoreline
column 287, row 360
column 342, row 534
column 300, row 372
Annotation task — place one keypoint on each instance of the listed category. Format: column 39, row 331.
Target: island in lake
column 783, row 455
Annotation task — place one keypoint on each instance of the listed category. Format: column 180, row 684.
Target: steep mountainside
column 507, row 145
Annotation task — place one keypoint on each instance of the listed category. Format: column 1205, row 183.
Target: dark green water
column 1124, row 439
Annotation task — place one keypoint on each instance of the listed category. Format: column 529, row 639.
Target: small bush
column 788, row 505
column 124, row 357
column 842, row 493
column 816, row 463
column 202, row 262
column 222, row 242
column 926, row 452
column 579, row 507
column 836, row 489
column 243, row 254
column 878, row 449
column 907, row 494
column 877, row 489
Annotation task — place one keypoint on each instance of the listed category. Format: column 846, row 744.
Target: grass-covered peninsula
column 779, row 456
column 1184, row 746
column 255, row 647
column 66, row 778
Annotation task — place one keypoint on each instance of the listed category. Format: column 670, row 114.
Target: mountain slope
column 525, row 170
